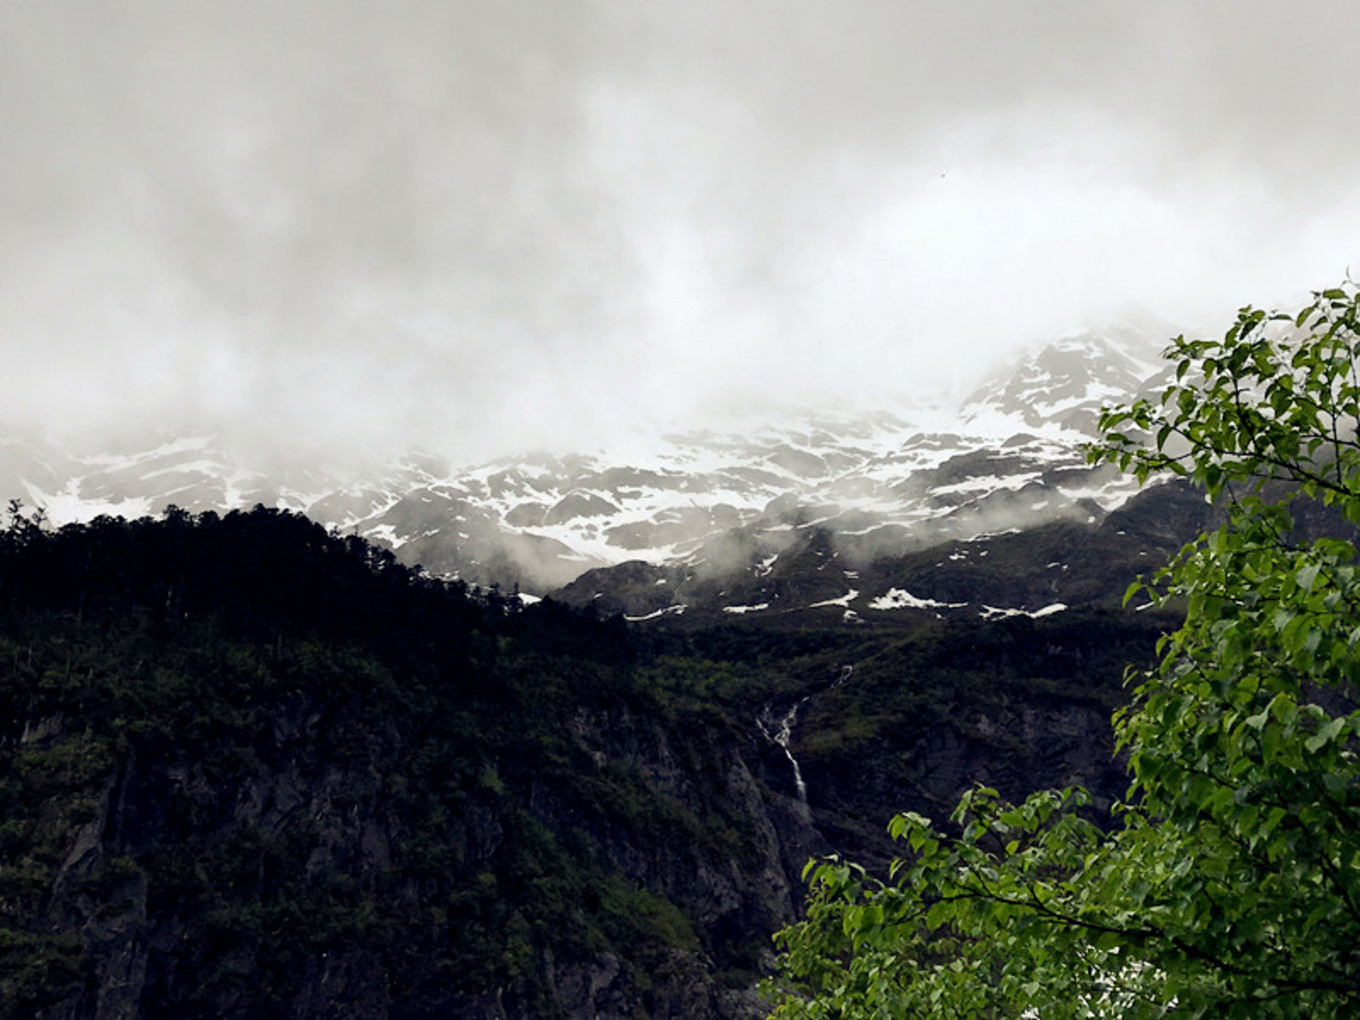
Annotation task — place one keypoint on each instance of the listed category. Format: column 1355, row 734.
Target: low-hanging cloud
column 479, row 227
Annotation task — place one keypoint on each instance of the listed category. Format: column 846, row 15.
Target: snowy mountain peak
column 1011, row 457
column 1066, row 383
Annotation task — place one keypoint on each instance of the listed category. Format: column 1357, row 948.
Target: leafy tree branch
column 1225, row 886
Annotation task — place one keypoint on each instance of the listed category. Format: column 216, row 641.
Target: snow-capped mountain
column 882, row 483
column 1067, row 382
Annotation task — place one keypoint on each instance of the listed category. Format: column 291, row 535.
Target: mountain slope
column 248, row 768
column 1009, row 458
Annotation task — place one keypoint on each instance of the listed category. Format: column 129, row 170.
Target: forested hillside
column 251, row 768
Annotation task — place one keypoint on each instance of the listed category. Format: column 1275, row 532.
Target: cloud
column 480, row 227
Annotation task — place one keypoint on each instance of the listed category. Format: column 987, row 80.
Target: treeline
column 264, row 573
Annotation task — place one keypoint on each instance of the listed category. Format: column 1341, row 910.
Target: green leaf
column 939, row 914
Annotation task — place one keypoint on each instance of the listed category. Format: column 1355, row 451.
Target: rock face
column 300, row 845
column 138, row 960
column 146, row 957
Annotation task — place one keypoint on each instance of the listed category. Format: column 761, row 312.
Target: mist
column 356, row 228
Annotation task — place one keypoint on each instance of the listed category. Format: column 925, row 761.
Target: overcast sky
column 480, row 226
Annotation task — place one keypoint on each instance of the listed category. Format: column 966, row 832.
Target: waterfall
column 780, row 731
column 783, row 735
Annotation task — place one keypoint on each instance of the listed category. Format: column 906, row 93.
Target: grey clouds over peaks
column 484, row 226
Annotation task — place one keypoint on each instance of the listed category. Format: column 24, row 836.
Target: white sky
column 484, row 226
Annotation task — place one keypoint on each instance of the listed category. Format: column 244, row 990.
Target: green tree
column 1229, row 883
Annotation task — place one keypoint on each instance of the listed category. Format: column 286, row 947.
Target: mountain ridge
column 1009, row 456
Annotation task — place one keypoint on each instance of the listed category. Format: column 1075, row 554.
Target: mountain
column 252, row 764
column 1067, row 382
column 998, row 516
column 251, row 768
column 700, row 502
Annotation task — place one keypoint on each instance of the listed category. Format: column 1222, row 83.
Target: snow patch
column 668, row 611
column 996, row 613
column 900, row 598
column 844, row 601
column 989, row 483
column 385, row 533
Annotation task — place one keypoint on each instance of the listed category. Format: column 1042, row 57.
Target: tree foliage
column 1229, row 881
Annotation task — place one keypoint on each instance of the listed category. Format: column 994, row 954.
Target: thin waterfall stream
column 780, row 730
